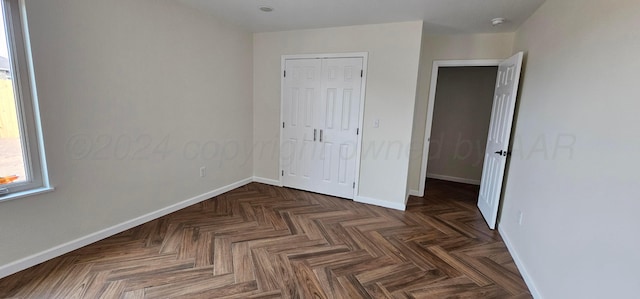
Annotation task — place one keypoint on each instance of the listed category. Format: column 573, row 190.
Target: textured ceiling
column 439, row 16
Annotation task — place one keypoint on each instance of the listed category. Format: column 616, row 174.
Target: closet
column 321, row 108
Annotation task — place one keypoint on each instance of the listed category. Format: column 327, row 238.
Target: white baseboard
column 523, row 270
column 453, row 179
column 32, row 260
column 380, row 203
column 19, row 265
column 415, row 193
column 267, row 181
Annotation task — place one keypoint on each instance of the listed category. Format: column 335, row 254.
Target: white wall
column 448, row 47
column 462, row 112
column 394, row 51
column 579, row 237
column 145, row 70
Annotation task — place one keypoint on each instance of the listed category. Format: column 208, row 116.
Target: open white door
column 495, row 157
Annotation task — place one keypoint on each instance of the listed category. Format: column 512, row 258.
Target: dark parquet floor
column 260, row 241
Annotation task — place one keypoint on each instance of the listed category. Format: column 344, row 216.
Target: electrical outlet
column 203, row 171
column 520, row 217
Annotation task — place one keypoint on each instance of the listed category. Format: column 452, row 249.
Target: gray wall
column 574, row 171
column 461, row 115
column 167, row 78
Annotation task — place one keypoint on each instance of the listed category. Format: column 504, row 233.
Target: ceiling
column 439, row 16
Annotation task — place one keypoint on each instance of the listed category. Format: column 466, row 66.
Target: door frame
column 363, row 85
column 437, row 64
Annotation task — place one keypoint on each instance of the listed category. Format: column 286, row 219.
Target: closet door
column 338, row 124
column 301, row 102
column 321, row 109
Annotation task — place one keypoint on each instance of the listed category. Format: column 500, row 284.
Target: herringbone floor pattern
column 260, row 241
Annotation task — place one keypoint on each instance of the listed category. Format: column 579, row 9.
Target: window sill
column 32, row 192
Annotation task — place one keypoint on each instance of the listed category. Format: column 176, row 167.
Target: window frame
column 27, row 108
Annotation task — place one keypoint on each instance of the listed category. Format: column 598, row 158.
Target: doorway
column 499, row 134
column 461, row 116
column 437, row 65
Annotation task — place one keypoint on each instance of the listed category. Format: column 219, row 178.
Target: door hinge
column 357, row 131
column 283, row 125
column 361, row 73
column 283, row 173
column 285, row 74
column 354, row 185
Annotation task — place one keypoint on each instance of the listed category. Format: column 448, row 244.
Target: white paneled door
column 301, row 99
column 497, row 149
column 321, row 109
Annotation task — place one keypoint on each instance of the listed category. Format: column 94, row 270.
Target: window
column 22, row 161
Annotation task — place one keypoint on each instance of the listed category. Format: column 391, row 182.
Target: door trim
column 364, row 56
column 437, row 64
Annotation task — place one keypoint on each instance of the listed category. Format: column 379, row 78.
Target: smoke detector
column 498, row 21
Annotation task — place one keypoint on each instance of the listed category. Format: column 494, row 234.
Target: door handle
column 320, row 135
column 503, row 153
column 314, row 134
